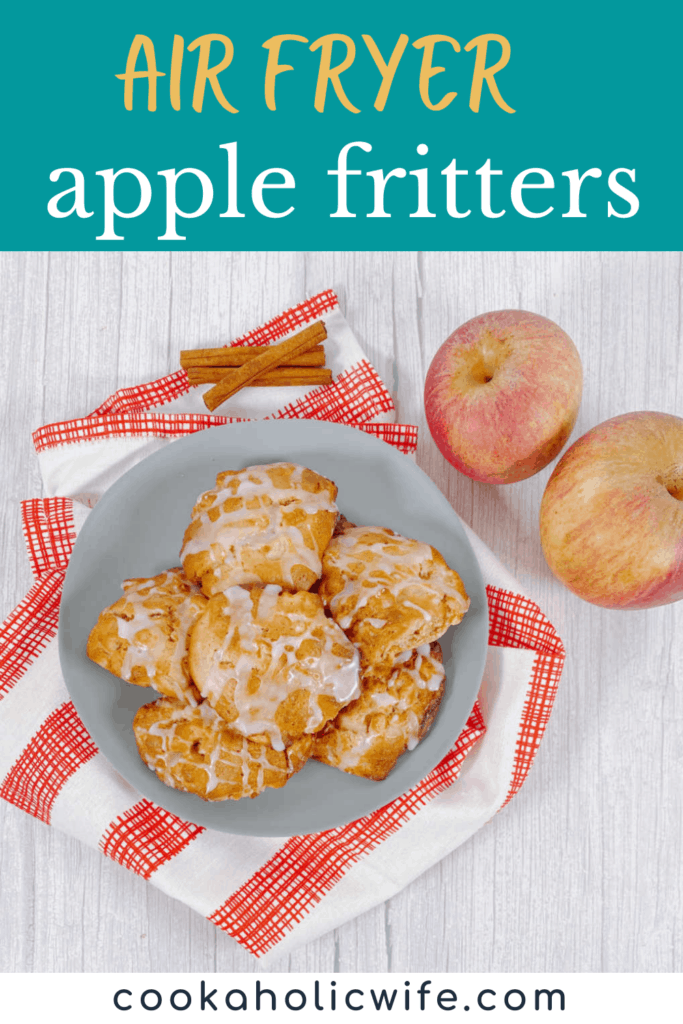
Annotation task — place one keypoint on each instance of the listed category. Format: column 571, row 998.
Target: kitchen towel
column 271, row 894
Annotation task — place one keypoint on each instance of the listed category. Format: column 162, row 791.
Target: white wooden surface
column 582, row 871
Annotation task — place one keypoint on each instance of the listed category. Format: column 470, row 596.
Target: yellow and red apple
column 612, row 513
column 502, row 395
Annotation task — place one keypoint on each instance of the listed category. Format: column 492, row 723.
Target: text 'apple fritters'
column 388, row 593
column 271, row 663
column 193, row 749
column 262, row 524
column 143, row 637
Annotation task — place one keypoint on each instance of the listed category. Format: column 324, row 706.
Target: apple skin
column 612, row 513
column 502, row 395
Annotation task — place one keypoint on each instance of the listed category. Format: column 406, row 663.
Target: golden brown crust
column 272, row 663
column 192, row 749
column 342, row 525
column 391, row 716
column 262, row 524
column 388, row 593
column 143, row 638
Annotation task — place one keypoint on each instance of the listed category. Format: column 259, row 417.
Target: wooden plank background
column 582, row 871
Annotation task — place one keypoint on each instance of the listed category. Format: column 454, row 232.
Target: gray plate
column 136, row 530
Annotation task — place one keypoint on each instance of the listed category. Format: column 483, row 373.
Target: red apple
column 502, row 395
column 612, row 513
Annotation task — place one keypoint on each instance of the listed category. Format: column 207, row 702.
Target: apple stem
column 673, row 484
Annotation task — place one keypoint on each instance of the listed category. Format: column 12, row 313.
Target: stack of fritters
column 259, row 673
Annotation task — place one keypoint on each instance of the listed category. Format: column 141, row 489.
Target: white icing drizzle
column 148, row 642
column 351, row 756
column 394, row 702
column 423, row 611
column 247, row 764
column 258, row 522
column 390, row 567
column 413, row 730
column 247, row 757
column 281, row 668
column 427, row 673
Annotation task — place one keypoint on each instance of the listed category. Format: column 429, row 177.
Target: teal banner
column 354, row 126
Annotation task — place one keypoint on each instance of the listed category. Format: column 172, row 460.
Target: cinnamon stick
column 266, row 359
column 195, row 357
column 278, row 377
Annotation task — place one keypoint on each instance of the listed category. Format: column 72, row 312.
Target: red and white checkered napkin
column 270, row 894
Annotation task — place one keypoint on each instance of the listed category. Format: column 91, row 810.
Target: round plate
column 136, row 529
